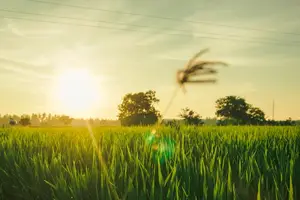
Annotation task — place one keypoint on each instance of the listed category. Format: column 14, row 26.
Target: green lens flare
column 162, row 148
column 150, row 138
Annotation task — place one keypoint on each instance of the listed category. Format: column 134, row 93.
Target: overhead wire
column 163, row 17
column 134, row 25
column 140, row 30
column 102, row 162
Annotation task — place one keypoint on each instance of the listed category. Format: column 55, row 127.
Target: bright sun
column 76, row 92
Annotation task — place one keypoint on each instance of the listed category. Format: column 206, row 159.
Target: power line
column 138, row 30
column 134, row 25
column 164, row 18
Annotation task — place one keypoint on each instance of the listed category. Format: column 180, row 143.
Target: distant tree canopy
column 255, row 116
column 138, row 109
column 287, row 122
column 12, row 122
column 66, row 119
column 45, row 120
column 191, row 117
column 25, row 121
column 235, row 110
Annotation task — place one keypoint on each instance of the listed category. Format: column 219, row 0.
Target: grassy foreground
column 204, row 163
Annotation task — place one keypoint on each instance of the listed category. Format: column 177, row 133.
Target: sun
column 76, row 92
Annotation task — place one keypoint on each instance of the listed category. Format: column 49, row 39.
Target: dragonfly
column 195, row 68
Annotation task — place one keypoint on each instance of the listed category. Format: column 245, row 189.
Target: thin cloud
column 2, row 27
column 168, row 57
column 154, row 38
column 237, row 51
column 22, row 68
column 32, row 34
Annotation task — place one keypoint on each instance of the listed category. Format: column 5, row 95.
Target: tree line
column 139, row 109
column 49, row 120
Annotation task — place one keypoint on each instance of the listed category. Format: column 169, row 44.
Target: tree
column 25, row 121
column 172, row 123
column 35, row 121
column 191, row 117
column 65, row 119
column 256, row 116
column 289, row 122
column 138, row 109
column 233, row 108
column 12, row 122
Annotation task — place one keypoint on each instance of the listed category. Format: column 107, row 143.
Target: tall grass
column 206, row 163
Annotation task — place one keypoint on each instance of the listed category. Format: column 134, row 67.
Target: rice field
column 132, row 163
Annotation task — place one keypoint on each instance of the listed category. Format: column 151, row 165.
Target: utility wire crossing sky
column 125, row 46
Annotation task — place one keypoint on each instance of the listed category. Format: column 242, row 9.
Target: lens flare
column 163, row 148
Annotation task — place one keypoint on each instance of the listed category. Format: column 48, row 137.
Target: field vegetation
column 183, row 162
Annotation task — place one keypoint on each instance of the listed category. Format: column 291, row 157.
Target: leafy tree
column 235, row 110
column 44, row 116
column 270, row 122
column 191, row 117
column 65, row 119
column 138, row 109
column 233, row 107
column 35, row 120
column 256, row 116
column 12, row 122
column 228, row 121
column 289, row 122
column 171, row 123
column 25, row 121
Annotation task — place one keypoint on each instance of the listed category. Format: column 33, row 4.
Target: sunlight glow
column 77, row 92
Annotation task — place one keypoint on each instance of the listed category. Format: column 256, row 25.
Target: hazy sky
column 32, row 53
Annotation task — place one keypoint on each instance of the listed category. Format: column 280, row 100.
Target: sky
column 262, row 52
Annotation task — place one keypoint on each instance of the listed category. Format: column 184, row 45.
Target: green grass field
column 201, row 163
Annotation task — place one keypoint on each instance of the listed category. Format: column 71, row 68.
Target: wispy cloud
column 22, row 68
column 2, row 26
column 175, row 58
column 139, row 60
column 10, row 25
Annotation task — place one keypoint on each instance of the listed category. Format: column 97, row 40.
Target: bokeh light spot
column 162, row 148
